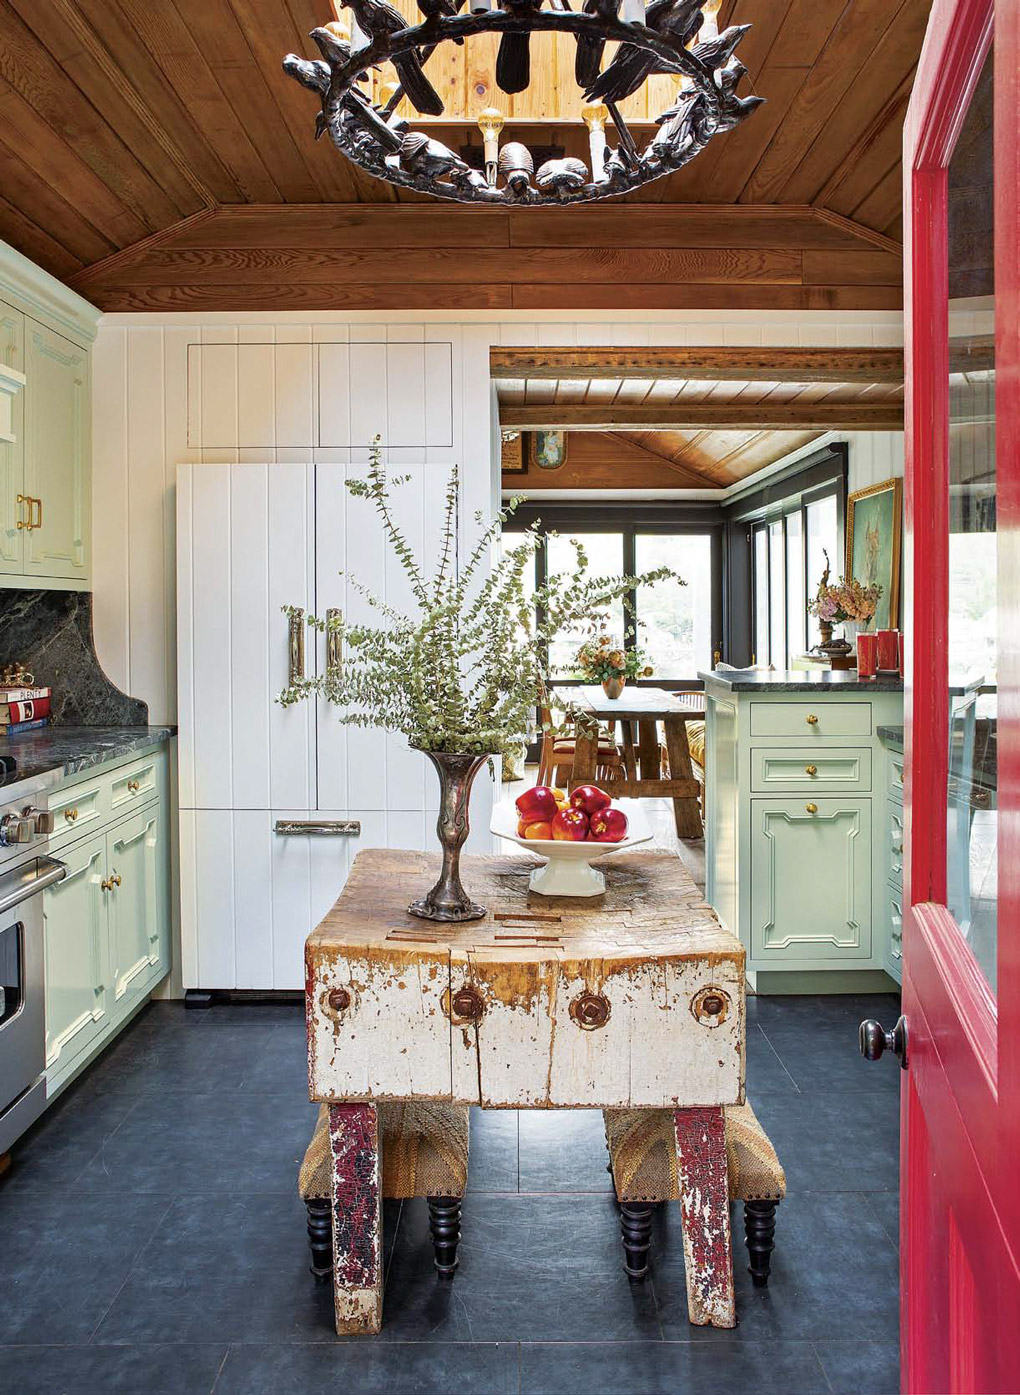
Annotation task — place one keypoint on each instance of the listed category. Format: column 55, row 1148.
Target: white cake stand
column 568, row 870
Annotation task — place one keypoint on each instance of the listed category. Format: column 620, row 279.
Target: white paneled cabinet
column 58, row 455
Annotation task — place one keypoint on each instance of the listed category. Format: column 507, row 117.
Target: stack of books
column 23, row 709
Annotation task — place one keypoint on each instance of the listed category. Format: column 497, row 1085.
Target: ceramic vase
column 613, row 687
column 448, row 900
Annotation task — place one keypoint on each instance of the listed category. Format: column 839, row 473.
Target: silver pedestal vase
column 448, row 900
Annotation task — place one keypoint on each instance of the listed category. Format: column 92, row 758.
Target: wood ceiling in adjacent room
column 170, row 129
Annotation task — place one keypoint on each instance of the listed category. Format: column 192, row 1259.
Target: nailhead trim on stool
column 642, row 1151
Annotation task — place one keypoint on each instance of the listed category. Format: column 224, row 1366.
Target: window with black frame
column 677, row 628
column 789, row 546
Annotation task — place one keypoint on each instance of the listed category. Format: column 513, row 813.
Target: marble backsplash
column 50, row 632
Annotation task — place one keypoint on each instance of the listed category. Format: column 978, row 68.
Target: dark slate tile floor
column 153, row 1242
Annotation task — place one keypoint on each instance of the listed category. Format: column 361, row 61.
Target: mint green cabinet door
column 12, row 453
column 811, row 880
column 58, row 454
column 77, row 969
column 137, row 902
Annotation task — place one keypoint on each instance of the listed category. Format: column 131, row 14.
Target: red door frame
column 960, row 1114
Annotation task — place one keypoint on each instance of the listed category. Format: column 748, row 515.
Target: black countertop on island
column 892, row 736
column 763, row 680
column 66, row 751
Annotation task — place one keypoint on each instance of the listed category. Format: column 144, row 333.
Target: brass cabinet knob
column 70, row 815
column 590, row 1011
column 106, row 884
column 811, row 769
column 811, row 808
column 812, row 720
column 115, row 879
column 133, row 786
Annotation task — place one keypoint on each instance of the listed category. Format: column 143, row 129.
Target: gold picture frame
column 874, row 530
column 547, row 450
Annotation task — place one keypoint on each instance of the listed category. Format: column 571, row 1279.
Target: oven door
column 22, row 987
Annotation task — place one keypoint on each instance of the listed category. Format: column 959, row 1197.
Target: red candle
column 867, row 655
column 889, row 651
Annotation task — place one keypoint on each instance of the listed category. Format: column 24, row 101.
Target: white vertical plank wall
column 308, row 393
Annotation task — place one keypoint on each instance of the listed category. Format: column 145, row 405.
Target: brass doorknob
column 811, row 769
column 115, row 878
column 875, row 1041
column 811, row 808
column 812, row 720
column 106, row 884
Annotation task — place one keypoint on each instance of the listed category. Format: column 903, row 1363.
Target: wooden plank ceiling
column 688, row 419
column 154, row 154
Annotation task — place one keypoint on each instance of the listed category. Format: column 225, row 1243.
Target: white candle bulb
column 490, row 123
column 481, row 7
column 633, row 11
column 594, row 115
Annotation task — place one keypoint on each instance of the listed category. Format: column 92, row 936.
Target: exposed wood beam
column 676, row 416
column 712, row 365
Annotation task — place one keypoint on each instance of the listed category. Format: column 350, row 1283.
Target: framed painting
column 513, row 462
column 873, row 524
column 548, row 449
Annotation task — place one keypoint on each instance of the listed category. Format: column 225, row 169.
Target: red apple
column 570, row 825
column 590, row 799
column 608, row 826
column 536, row 805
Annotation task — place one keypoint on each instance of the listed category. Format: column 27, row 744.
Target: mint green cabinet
column 138, row 931
column 811, row 883
column 12, row 447
column 77, row 957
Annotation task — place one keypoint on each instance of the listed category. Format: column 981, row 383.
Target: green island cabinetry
column 797, row 826
column 107, row 924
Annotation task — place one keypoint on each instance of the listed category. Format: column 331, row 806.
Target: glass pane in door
column 777, row 592
column 675, row 622
column 605, row 558
column 761, row 596
column 796, row 601
column 972, row 619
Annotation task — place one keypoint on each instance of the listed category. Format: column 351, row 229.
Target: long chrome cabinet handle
column 323, row 828
column 334, row 642
column 296, row 646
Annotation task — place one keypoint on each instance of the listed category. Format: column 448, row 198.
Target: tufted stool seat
column 424, row 1152
column 643, row 1161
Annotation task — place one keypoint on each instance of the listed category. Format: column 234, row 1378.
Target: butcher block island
column 631, row 999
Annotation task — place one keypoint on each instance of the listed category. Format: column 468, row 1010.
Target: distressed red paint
column 357, row 1216
column 705, row 1215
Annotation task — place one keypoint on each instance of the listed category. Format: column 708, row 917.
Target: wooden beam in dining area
column 861, row 415
column 719, row 365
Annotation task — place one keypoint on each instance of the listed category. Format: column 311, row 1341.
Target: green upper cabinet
column 12, row 452
column 57, row 455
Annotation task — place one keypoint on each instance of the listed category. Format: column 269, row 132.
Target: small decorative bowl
column 567, row 870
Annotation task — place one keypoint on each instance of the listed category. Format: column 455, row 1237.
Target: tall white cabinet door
column 78, row 986
column 137, row 858
column 245, row 549
column 58, row 446
column 12, row 453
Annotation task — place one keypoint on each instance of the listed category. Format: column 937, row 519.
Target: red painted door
column 960, row 1173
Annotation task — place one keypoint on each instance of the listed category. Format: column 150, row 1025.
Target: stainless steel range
column 25, row 872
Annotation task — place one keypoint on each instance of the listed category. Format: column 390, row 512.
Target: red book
column 28, row 711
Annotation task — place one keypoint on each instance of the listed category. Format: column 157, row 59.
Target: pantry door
column 960, row 1220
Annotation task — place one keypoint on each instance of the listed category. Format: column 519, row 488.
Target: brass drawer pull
column 106, row 884
column 115, row 879
column 811, row 808
column 134, row 786
column 70, row 815
column 811, row 770
column 37, row 521
column 812, row 720
column 334, row 642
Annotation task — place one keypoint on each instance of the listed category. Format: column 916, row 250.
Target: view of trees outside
column 605, row 558
column 675, row 622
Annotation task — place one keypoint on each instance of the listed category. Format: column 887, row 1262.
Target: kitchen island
column 796, row 824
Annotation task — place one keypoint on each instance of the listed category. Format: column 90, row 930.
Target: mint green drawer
column 895, row 786
column 895, row 846
column 805, row 768
column 811, row 720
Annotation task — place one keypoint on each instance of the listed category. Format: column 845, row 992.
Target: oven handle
column 27, row 881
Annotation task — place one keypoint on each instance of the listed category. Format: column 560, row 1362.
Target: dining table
column 644, row 774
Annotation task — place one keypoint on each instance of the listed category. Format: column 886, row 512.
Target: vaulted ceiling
column 154, row 153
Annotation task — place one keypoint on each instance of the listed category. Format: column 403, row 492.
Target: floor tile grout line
column 219, row 1372
column 782, row 1063
column 821, row 1366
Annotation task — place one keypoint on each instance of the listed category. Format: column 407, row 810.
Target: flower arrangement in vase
column 601, row 659
column 845, row 602
column 460, row 674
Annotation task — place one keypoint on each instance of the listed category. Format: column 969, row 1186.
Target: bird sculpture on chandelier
column 733, row 109
column 513, row 60
column 590, row 47
column 377, row 17
column 678, row 20
column 441, row 9
column 421, row 155
column 717, row 52
column 355, row 107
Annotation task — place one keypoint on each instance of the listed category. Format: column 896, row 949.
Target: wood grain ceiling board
column 122, row 119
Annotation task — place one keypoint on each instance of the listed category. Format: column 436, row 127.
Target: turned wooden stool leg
column 320, row 1237
column 759, row 1231
column 705, row 1215
column 636, row 1224
column 444, row 1223
column 357, row 1217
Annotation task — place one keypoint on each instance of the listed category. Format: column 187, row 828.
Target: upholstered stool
column 424, row 1152
column 642, row 1152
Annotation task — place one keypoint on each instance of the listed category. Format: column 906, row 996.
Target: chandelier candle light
column 669, row 36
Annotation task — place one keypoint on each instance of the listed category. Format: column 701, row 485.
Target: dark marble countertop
column 64, row 751
column 892, row 736
column 762, row 680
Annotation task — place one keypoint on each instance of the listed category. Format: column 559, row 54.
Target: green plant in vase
column 460, row 673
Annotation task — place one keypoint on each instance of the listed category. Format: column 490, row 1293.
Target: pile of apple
column 586, row 815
